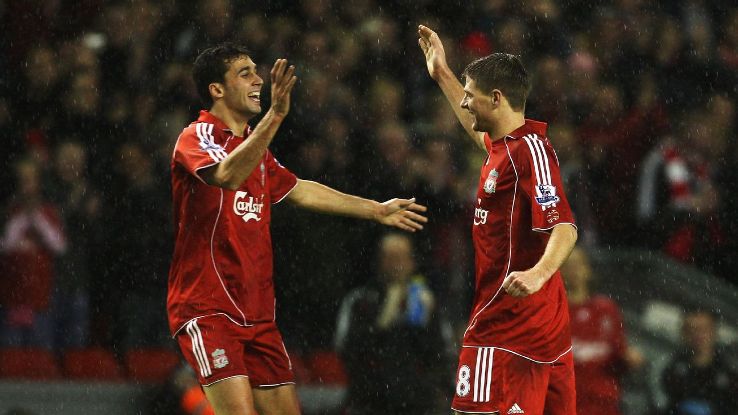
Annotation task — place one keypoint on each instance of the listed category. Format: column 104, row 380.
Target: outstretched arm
column 524, row 283
column 234, row 169
column 435, row 59
column 400, row 213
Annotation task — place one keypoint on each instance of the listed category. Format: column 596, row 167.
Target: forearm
column 454, row 93
column 234, row 169
column 320, row 198
column 560, row 244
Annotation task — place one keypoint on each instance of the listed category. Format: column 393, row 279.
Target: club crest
column 490, row 185
column 220, row 360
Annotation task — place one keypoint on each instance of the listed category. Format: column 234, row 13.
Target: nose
column 258, row 81
column 464, row 103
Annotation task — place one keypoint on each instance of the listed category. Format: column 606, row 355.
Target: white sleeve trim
column 550, row 228
column 197, row 170
column 288, row 192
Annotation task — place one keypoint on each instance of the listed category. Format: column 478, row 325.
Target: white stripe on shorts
column 198, row 348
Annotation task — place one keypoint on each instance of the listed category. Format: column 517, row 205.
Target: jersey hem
column 522, row 355
column 548, row 230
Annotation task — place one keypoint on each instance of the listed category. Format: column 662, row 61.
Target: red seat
column 93, row 363
column 151, row 364
column 326, row 368
column 28, row 363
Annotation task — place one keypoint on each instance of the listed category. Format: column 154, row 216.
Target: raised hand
column 435, row 56
column 401, row 213
column 283, row 79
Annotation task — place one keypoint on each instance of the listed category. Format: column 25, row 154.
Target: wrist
column 274, row 115
column 377, row 211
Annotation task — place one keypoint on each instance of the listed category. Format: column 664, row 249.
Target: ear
column 496, row 97
column 216, row 90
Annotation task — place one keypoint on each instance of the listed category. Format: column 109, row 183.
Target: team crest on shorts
column 490, row 185
column 220, row 360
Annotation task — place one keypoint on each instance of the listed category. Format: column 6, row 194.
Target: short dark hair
column 501, row 71
column 212, row 64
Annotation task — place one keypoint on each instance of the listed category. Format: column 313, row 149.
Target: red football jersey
column 599, row 344
column 519, row 200
column 222, row 262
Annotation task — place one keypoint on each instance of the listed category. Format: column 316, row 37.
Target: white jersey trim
column 197, row 175
column 215, row 266
column 509, row 255
column 550, row 228
column 522, row 355
column 288, row 192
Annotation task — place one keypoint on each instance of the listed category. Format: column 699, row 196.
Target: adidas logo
column 515, row 409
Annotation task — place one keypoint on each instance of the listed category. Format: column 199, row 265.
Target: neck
column 508, row 122
column 235, row 121
column 578, row 295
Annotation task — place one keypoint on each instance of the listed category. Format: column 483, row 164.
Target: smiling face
column 480, row 105
column 241, row 88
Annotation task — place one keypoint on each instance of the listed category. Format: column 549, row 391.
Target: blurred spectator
column 678, row 199
column 80, row 205
column 699, row 380
column 390, row 339
column 601, row 353
column 32, row 238
column 141, row 258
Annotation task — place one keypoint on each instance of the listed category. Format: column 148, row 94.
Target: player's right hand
column 435, row 56
column 283, row 79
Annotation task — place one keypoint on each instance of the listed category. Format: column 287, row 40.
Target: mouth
column 255, row 96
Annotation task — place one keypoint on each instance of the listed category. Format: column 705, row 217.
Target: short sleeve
column 281, row 180
column 195, row 149
column 542, row 183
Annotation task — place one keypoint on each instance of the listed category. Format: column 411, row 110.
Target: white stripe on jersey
column 207, row 142
column 536, row 161
column 544, row 156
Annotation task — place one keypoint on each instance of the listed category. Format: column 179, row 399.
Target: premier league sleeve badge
column 490, row 184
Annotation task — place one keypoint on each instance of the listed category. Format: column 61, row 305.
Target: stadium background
column 640, row 97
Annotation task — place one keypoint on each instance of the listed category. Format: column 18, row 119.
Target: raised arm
column 435, row 59
column 523, row 283
column 400, row 213
column 234, row 169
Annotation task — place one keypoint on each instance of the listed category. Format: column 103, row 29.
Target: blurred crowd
column 640, row 97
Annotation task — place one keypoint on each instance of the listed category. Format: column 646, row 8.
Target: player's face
column 242, row 88
column 479, row 104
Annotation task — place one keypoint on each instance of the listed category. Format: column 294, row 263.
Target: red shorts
column 218, row 348
column 492, row 380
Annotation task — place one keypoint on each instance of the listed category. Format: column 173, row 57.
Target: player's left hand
column 401, row 213
column 524, row 283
